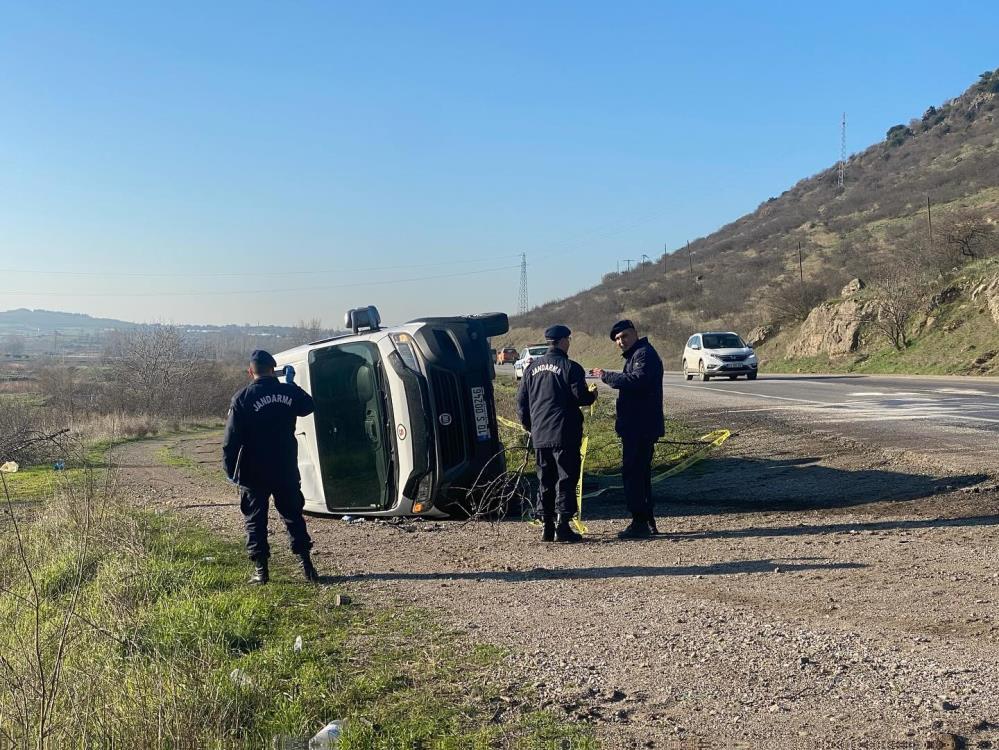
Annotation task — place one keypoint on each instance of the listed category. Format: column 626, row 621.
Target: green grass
column 35, row 482
column 173, row 648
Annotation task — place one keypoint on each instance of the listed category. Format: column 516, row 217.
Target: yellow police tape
column 712, row 440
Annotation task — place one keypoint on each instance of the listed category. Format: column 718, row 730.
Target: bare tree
column 896, row 295
column 14, row 345
column 965, row 236
column 148, row 368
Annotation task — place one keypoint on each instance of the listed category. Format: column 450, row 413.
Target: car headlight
column 423, row 500
column 405, row 345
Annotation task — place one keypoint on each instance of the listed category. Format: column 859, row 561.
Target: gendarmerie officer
column 639, row 423
column 551, row 392
column 260, row 455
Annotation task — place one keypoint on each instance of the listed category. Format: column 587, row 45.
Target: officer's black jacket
column 551, row 392
column 259, row 448
column 640, row 401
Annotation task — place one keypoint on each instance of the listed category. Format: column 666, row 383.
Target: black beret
column 556, row 333
column 621, row 325
column 262, row 359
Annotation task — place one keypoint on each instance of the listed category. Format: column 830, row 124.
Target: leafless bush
column 897, row 295
column 155, row 371
column 791, row 302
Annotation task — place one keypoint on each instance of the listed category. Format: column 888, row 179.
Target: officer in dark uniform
column 551, row 392
column 260, row 455
column 639, row 423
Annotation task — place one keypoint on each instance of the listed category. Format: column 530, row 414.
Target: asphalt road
column 953, row 420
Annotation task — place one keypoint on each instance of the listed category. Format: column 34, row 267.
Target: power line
column 268, row 273
column 216, row 292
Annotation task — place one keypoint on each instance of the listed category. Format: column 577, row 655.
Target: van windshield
column 350, row 425
column 536, row 350
column 722, row 341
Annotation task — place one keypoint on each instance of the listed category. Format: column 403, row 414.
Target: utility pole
column 665, row 253
column 629, row 261
column 929, row 225
column 690, row 260
column 801, row 268
column 841, row 173
column 522, row 301
column 646, row 259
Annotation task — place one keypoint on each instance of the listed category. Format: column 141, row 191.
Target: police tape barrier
column 712, row 440
column 577, row 520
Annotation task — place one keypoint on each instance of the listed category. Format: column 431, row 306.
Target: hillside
column 746, row 274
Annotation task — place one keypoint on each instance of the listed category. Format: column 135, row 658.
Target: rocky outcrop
column 852, row 287
column 988, row 291
column 832, row 329
column 761, row 334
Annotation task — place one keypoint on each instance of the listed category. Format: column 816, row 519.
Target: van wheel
column 751, row 376
column 701, row 374
column 732, row 377
column 686, row 374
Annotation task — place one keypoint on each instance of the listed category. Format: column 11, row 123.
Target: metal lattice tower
column 841, row 177
column 522, row 301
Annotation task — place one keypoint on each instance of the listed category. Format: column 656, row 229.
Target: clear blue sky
column 184, row 142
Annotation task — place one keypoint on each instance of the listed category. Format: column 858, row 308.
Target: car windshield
column 535, row 350
column 722, row 341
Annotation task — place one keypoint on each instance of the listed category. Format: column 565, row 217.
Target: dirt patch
column 807, row 587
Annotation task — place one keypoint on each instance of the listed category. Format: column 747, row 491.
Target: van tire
column 701, row 373
column 751, row 376
column 686, row 373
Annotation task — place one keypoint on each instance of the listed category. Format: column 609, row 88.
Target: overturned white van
column 405, row 420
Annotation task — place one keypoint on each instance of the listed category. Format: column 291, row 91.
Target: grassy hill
column 745, row 273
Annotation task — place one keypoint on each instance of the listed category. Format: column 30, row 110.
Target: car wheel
column 701, row 374
column 686, row 374
column 732, row 377
column 751, row 376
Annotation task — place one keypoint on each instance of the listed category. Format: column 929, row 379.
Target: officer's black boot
column 652, row 526
column 564, row 532
column 637, row 529
column 548, row 535
column 260, row 574
column 308, row 569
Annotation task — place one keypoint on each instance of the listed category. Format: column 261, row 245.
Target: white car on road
column 526, row 355
column 715, row 354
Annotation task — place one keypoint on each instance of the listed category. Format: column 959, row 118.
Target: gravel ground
column 808, row 591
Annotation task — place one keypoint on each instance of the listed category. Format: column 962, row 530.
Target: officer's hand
column 592, row 388
column 597, row 372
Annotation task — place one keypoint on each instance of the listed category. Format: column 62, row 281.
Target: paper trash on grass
column 9, row 468
column 327, row 737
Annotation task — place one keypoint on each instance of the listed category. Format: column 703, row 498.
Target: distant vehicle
column 405, row 418
column 714, row 354
column 526, row 355
column 506, row 355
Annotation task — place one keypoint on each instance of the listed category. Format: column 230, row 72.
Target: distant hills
column 43, row 322
column 743, row 275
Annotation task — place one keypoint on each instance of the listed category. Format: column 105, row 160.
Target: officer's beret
column 621, row 325
column 263, row 359
column 555, row 333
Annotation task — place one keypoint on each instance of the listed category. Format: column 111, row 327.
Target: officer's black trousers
column 558, row 474
column 636, row 471
column 289, row 502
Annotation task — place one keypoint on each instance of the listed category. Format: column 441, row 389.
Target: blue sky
column 269, row 162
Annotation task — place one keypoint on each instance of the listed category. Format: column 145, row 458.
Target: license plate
column 481, row 412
